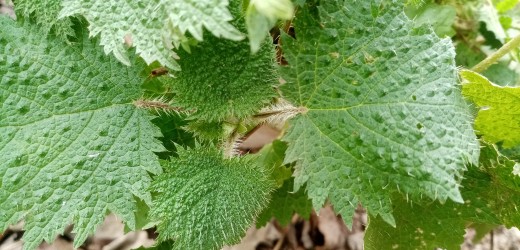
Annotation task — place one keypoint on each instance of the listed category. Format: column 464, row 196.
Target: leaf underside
column 385, row 113
column 73, row 147
column 204, row 201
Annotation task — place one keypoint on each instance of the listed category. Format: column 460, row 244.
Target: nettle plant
column 136, row 108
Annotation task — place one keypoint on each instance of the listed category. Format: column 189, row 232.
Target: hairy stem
column 493, row 58
column 158, row 105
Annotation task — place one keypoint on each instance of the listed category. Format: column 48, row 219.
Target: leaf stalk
column 493, row 58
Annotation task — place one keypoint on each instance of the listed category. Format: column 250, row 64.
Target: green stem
column 493, row 58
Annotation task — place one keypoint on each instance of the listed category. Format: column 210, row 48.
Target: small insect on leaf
column 158, row 72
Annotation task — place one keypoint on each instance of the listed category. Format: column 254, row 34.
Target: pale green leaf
column 45, row 12
column 73, row 147
column 154, row 28
column 261, row 16
column 497, row 120
column 506, row 5
column 142, row 220
column 258, row 27
column 491, row 193
column 271, row 156
column 385, row 113
column 205, row 201
column 274, row 9
column 440, row 17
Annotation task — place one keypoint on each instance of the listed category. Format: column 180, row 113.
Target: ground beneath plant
column 322, row 231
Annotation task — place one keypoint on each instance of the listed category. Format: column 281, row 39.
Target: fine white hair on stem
column 159, row 104
column 279, row 113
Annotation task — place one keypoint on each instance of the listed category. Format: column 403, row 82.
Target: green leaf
column 506, row 22
column 502, row 74
column 284, row 203
column 205, row 201
column 271, row 156
column 503, row 191
column 165, row 245
column 385, row 113
column 511, row 153
column 241, row 84
column 427, row 225
column 491, row 193
column 481, row 230
column 299, row 3
column 142, row 220
column 154, row 28
column 274, row 9
column 467, row 56
column 73, row 146
column 440, row 17
column 496, row 120
column 489, row 15
column 261, row 16
column 172, row 128
column 206, row 131
column 45, row 12
column 506, row 5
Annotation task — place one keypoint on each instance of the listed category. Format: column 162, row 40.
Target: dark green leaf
column 491, row 193
column 205, row 201
column 284, row 204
